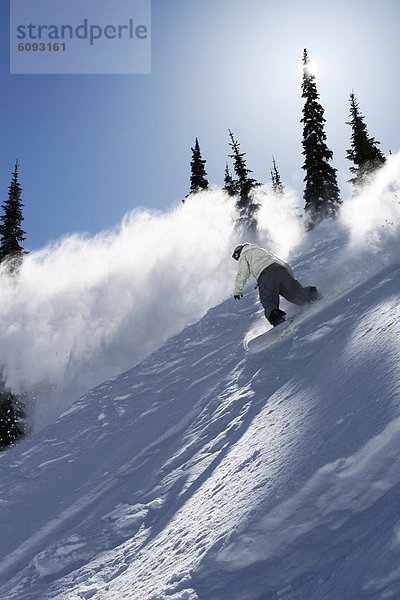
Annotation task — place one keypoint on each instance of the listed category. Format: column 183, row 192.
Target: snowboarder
column 274, row 278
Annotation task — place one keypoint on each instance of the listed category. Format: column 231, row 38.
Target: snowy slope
column 208, row 473
column 204, row 472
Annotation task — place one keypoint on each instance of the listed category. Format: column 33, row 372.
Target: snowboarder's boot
column 276, row 317
column 314, row 295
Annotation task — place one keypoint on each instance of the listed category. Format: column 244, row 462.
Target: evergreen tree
column 198, row 179
column 363, row 152
column 321, row 194
column 11, row 234
column 246, row 206
column 230, row 185
column 277, row 185
column 12, row 416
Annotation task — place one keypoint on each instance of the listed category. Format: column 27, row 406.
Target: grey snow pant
column 276, row 281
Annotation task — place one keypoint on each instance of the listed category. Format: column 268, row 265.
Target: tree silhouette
column 321, row 193
column 11, row 233
column 230, row 185
column 198, row 179
column 245, row 204
column 363, row 152
column 277, row 185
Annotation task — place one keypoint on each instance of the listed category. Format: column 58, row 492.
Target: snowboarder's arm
column 242, row 276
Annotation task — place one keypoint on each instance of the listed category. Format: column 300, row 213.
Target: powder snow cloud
column 85, row 309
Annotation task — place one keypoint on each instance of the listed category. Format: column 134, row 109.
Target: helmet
column 237, row 250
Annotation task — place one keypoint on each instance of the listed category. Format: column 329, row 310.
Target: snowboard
column 281, row 332
column 272, row 336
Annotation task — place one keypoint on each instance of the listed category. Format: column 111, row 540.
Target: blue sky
column 92, row 147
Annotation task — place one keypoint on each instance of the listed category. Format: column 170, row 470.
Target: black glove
column 238, row 296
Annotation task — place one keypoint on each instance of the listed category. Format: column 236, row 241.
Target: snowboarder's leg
column 274, row 281
column 268, row 286
column 294, row 292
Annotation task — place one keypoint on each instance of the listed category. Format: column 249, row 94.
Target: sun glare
column 314, row 68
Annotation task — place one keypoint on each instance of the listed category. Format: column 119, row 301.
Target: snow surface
column 207, row 473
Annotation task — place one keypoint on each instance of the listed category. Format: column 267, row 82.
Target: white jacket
column 253, row 260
